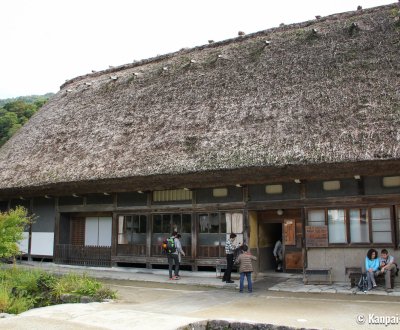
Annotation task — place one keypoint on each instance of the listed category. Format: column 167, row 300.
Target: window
column 165, row 224
column 132, row 229
column 381, row 225
column 391, row 181
column 337, row 226
column 331, row 185
column 212, row 234
column 98, row 231
column 172, row 195
column 273, row 189
column 316, row 218
column 354, row 225
column 359, row 226
column 220, row 192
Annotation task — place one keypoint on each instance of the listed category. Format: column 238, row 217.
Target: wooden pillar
column 114, row 237
column 148, row 240
column 30, row 231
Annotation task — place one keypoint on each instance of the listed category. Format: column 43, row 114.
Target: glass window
column 360, row 222
column 337, row 226
column 132, row 229
column 359, row 226
column 157, row 223
column 213, row 230
column 316, row 218
column 331, row 185
column 165, row 224
column 186, row 223
column 214, row 223
column 273, row 189
column 381, row 226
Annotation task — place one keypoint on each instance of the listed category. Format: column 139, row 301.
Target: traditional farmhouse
column 290, row 132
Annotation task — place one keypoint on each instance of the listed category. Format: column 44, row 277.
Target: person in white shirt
column 229, row 250
column 278, row 254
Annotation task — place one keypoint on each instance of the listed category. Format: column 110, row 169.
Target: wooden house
column 291, row 131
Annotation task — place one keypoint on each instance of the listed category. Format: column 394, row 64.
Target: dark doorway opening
column 269, row 234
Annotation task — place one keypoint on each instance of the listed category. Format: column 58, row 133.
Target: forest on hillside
column 14, row 113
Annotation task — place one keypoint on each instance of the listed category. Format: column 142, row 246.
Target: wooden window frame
column 125, row 227
column 393, row 219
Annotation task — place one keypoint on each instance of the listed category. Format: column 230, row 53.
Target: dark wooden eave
column 246, row 176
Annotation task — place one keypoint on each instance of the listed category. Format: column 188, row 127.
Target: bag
column 363, row 283
column 168, row 245
column 236, row 254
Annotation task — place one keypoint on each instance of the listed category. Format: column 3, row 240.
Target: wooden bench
column 326, row 271
column 381, row 279
column 220, row 264
column 355, row 273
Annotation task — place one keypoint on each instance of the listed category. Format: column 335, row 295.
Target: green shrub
column 105, row 293
column 5, row 297
column 81, row 285
column 22, row 289
column 12, row 225
column 19, row 304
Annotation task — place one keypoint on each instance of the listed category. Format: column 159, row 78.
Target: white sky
column 45, row 42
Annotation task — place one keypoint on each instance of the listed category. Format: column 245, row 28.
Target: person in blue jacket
column 371, row 266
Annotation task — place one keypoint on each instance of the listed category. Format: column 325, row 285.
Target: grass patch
column 21, row 290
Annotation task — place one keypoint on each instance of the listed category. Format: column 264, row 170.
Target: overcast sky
column 45, row 42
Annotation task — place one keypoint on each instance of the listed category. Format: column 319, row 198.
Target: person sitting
column 387, row 267
column 371, row 266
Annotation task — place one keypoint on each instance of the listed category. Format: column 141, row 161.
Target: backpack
column 363, row 283
column 168, row 245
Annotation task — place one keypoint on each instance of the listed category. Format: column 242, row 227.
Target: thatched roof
column 320, row 92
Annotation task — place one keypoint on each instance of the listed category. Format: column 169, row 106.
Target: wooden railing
column 98, row 256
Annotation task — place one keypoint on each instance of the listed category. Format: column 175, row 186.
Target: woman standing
column 371, row 266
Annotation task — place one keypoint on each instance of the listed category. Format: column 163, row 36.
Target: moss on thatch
column 324, row 91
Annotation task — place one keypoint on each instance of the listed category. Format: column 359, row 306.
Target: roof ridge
column 159, row 58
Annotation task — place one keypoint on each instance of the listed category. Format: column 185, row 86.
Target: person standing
column 371, row 266
column 245, row 268
column 278, row 254
column 179, row 236
column 230, row 248
column 174, row 249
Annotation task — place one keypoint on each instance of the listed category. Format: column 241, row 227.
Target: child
column 245, row 268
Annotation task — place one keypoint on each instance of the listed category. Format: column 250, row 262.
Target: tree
column 16, row 112
column 12, row 224
column 8, row 125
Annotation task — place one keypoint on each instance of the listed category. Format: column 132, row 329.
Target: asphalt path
column 149, row 305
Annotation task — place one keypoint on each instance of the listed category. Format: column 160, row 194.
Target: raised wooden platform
column 324, row 271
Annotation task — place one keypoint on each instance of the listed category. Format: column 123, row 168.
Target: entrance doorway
column 284, row 225
column 269, row 234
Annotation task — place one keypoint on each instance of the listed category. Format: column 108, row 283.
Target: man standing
column 174, row 248
column 229, row 250
column 386, row 267
column 278, row 255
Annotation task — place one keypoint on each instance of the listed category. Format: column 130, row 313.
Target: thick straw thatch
column 320, row 92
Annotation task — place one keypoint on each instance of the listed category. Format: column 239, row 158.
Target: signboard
column 316, row 236
column 290, row 232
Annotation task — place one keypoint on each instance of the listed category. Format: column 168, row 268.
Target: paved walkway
column 285, row 282
column 147, row 299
